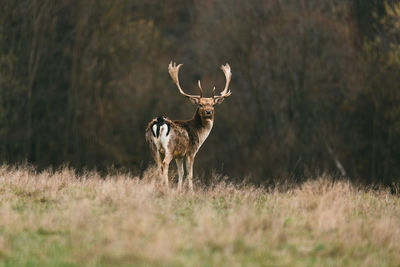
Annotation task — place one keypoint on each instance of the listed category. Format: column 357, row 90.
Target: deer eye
column 200, row 105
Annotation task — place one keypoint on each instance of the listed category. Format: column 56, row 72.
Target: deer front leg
column 179, row 166
column 189, row 171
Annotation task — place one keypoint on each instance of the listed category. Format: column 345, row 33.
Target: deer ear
column 194, row 100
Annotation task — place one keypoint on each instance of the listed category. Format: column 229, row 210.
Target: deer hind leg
column 189, row 171
column 158, row 161
column 179, row 166
column 165, row 167
column 157, row 158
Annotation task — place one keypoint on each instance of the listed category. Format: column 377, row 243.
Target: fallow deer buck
column 181, row 139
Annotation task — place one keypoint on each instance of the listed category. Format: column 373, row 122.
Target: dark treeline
column 316, row 84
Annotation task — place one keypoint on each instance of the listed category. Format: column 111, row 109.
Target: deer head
column 205, row 104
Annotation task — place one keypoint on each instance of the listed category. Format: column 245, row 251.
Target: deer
column 181, row 139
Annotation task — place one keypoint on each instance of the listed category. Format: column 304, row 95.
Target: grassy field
column 62, row 219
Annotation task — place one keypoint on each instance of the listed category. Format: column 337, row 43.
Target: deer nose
column 208, row 112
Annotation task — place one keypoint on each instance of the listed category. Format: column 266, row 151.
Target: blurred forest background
column 316, row 83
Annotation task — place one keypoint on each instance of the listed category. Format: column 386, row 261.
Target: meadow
column 61, row 218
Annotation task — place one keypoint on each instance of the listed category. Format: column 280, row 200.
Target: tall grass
column 61, row 218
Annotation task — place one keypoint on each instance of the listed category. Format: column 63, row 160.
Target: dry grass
column 59, row 218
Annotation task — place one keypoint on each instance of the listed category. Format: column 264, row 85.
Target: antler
column 201, row 89
column 173, row 71
column 225, row 93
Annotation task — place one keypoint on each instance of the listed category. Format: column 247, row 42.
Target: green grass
column 61, row 219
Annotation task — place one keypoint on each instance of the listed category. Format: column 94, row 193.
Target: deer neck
column 203, row 126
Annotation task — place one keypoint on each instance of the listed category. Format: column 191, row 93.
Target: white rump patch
column 154, row 130
column 164, row 138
